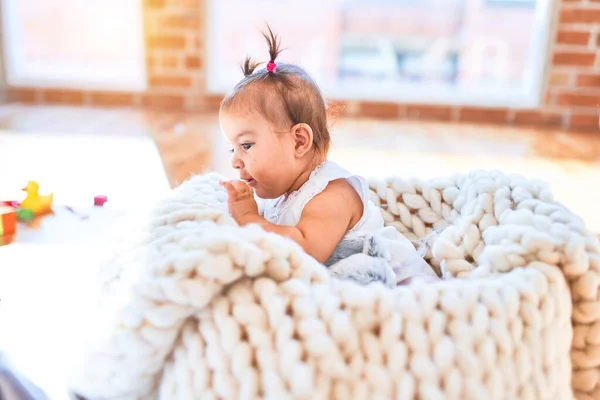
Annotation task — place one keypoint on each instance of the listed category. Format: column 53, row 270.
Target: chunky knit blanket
column 202, row 308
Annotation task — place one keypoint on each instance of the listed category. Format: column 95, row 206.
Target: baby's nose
column 236, row 163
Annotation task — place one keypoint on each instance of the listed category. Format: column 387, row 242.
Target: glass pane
column 80, row 44
column 443, row 51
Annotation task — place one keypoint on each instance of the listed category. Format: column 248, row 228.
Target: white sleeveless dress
column 405, row 260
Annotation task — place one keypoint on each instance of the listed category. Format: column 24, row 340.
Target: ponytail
column 249, row 66
column 274, row 49
column 274, row 44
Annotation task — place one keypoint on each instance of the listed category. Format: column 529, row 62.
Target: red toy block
column 8, row 221
column 100, row 200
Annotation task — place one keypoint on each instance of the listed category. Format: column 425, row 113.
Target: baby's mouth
column 249, row 181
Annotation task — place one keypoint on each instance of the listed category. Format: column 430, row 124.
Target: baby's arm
column 323, row 224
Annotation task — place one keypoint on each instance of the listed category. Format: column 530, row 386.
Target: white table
column 48, row 276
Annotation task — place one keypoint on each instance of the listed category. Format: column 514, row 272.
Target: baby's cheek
column 255, row 164
column 263, row 169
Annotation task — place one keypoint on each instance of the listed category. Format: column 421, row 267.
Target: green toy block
column 24, row 215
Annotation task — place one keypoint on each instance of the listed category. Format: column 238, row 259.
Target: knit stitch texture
column 201, row 308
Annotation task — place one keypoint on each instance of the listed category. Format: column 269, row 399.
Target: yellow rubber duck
column 34, row 202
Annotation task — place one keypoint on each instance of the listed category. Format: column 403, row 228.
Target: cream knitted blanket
column 203, row 309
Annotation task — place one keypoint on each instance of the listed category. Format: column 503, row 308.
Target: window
column 468, row 52
column 87, row 44
column 513, row 2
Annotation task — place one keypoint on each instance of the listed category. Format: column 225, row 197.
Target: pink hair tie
column 271, row 66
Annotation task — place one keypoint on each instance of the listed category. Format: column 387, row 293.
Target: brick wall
column 175, row 50
column 573, row 86
column 174, row 46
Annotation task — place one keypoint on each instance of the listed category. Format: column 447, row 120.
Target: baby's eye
column 231, row 150
column 246, row 146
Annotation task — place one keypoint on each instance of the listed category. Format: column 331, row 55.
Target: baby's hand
column 240, row 199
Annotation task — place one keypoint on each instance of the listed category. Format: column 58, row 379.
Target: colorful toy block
column 24, row 215
column 8, row 221
column 100, row 200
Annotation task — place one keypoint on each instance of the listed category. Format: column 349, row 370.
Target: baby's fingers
column 231, row 191
column 240, row 186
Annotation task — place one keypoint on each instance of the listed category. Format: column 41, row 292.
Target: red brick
column 150, row 61
column 193, row 62
column 379, row 109
column 170, row 81
column 573, row 37
column 584, row 122
column 164, row 101
column 572, row 58
column 430, row 112
column 112, row 99
column 63, row 96
column 214, row 100
column 207, row 103
column 169, row 61
column 538, row 118
column 166, row 42
column 476, row 114
column 589, row 80
column 187, row 4
column 180, row 22
column 580, row 15
column 559, row 78
column 154, row 3
column 23, row 95
column 578, row 100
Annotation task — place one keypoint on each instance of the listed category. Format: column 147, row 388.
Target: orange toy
column 8, row 221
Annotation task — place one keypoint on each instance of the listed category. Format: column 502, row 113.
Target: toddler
column 276, row 121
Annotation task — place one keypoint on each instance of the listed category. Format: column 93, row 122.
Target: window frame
column 532, row 96
column 516, row 3
column 18, row 73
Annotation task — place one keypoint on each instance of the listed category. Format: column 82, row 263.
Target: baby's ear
column 303, row 138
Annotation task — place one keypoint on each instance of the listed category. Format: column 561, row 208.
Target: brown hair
column 285, row 97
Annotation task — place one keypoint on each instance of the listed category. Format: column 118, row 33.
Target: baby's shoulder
column 340, row 186
column 339, row 195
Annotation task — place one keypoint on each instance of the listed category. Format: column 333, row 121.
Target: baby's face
column 263, row 157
